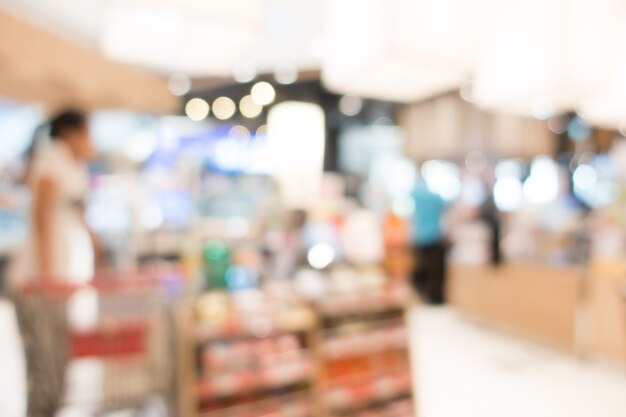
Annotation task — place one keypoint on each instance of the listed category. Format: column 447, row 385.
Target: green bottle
column 216, row 263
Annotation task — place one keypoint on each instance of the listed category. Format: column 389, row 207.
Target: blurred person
column 490, row 215
column 287, row 247
column 60, row 251
column 429, row 244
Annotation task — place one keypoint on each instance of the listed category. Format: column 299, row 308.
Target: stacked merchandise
column 364, row 357
column 248, row 353
column 258, row 349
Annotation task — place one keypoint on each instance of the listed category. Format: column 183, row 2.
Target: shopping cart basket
column 127, row 337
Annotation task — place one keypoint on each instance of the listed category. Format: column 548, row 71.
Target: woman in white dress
column 59, row 251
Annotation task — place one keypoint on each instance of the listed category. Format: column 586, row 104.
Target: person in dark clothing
column 490, row 216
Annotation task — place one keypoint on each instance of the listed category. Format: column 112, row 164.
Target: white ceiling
column 198, row 37
column 526, row 53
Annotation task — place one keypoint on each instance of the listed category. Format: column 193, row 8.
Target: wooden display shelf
column 193, row 390
column 392, row 299
column 241, row 330
column 298, row 398
column 313, row 329
column 222, row 386
column 370, row 389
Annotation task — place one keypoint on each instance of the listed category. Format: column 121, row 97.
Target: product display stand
column 347, row 354
column 247, row 369
column 364, row 354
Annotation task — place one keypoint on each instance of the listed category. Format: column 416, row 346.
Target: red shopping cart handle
column 123, row 340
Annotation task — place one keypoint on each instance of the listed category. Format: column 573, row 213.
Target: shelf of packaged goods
column 240, row 383
column 367, row 391
column 394, row 298
column 296, row 321
column 291, row 405
column 402, row 406
column 383, row 336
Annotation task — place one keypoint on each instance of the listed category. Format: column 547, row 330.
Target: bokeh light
column 508, row 194
column 474, row 192
column 224, row 108
column 286, row 74
column 261, row 131
column 542, row 186
column 403, row 206
column 442, row 178
column 542, row 109
column 578, row 130
column 350, row 105
column 249, row 108
column 321, row 255
column 197, row 109
column 179, row 84
column 509, row 169
column 140, row 145
column 476, row 162
column 239, row 133
column 263, row 93
column 244, row 73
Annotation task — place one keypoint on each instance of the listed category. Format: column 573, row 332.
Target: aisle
column 466, row 370
column 12, row 383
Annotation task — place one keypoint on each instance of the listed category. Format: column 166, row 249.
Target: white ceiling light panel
column 399, row 50
column 543, row 56
column 193, row 37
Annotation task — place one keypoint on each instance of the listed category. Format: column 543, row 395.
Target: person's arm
column 100, row 258
column 43, row 200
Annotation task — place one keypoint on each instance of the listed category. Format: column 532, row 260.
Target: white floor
column 464, row 370
column 12, row 381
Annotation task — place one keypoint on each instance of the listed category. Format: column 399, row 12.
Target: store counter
column 536, row 301
column 608, row 308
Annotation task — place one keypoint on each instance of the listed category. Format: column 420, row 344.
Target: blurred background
column 300, row 167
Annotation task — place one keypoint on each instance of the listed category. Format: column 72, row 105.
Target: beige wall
column 448, row 127
column 37, row 66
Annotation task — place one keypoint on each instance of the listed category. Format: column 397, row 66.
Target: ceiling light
column 539, row 59
column 249, row 108
column 350, row 105
column 179, row 84
column 286, row 74
column 244, row 73
column 197, row 109
column 263, row 93
column 436, row 39
column 224, row 108
column 297, row 165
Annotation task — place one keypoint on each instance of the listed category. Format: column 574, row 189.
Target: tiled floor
column 463, row 370
column 468, row 371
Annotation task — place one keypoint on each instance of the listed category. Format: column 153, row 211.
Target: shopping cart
column 119, row 325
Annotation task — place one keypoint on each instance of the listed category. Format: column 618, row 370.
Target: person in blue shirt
column 429, row 244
